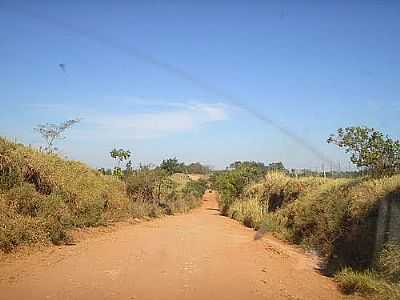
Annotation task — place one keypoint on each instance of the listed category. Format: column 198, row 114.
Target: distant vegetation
column 170, row 166
column 43, row 197
column 335, row 217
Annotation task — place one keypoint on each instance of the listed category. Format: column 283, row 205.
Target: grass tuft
column 368, row 284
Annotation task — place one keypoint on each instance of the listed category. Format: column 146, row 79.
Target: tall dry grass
column 335, row 217
column 43, row 197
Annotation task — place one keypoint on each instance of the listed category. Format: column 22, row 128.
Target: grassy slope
column 43, row 196
column 335, row 217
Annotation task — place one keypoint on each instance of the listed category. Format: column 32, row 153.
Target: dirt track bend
column 200, row 255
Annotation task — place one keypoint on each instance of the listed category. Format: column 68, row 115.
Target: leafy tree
column 258, row 168
column 277, row 167
column 172, row 166
column 119, row 155
column 369, row 149
column 51, row 132
column 197, row 168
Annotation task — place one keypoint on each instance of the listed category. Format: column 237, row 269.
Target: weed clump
column 367, row 283
column 388, row 262
column 249, row 212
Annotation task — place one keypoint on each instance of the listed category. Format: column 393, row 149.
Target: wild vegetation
column 369, row 149
column 43, row 197
column 335, row 217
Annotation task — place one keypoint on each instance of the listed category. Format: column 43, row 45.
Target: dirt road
column 201, row 255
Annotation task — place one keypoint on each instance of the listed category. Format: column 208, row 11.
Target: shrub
column 388, row 262
column 25, row 200
column 58, row 219
column 168, row 194
column 138, row 209
column 195, row 188
column 147, row 184
column 16, row 229
column 277, row 189
column 232, row 184
column 249, row 212
column 366, row 283
column 337, row 218
column 10, row 174
column 43, row 196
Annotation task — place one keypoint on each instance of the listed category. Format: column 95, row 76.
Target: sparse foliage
column 120, row 155
column 51, row 132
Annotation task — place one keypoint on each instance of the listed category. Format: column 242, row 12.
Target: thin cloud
column 181, row 118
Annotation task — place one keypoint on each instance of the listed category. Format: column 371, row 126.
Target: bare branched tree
column 51, row 132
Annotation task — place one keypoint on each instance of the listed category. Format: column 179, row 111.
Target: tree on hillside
column 51, row 132
column 172, row 166
column 369, row 149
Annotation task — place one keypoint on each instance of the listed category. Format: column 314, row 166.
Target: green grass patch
column 368, row 284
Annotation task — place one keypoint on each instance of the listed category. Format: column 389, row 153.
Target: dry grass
column 180, row 178
column 388, row 262
column 336, row 217
column 277, row 189
column 249, row 212
column 43, row 197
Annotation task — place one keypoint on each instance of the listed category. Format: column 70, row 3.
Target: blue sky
column 309, row 66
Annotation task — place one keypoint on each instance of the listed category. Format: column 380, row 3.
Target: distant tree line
column 169, row 166
column 172, row 165
column 371, row 151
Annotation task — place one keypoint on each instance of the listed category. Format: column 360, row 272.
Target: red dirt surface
column 200, row 255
